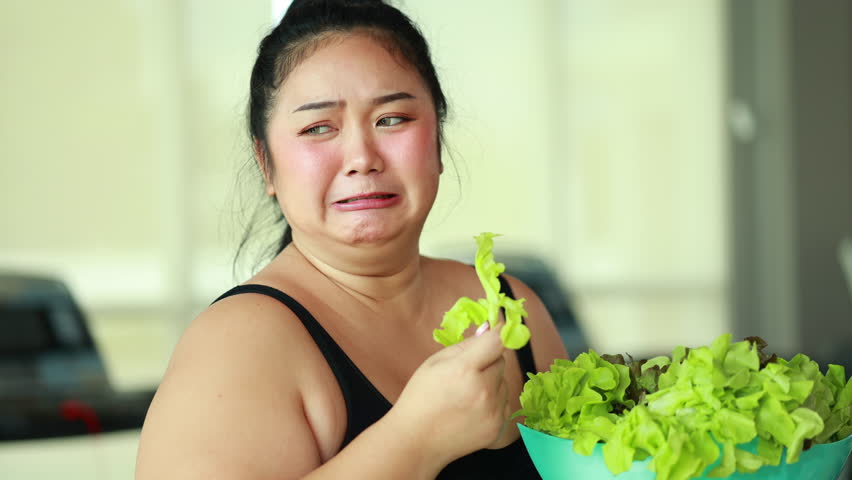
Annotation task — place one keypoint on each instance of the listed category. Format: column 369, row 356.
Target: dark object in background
column 544, row 282
column 52, row 378
column 45, row 345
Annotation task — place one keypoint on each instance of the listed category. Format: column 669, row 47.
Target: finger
column 503, row 394
column 495, row 371
column 502, row 406
column 483, row 350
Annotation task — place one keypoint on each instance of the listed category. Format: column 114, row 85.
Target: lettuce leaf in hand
column 466, row 311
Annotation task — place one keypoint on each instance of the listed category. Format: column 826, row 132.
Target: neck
column 378, row 276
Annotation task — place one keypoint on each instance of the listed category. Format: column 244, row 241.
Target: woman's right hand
column 457, row 400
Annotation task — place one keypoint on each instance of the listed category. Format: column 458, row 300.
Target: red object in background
column 77, row 410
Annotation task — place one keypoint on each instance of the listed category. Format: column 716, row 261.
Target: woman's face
column 353, row 141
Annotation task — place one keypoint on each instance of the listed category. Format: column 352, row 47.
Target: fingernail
column 482, row 329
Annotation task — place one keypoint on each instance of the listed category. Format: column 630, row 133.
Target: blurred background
column 664, row 171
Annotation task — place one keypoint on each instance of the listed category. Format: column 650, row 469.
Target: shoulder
column 546, row 342
column 445, row 265
column 232, row 395
column 444, row 269
column 233, row 326
column 454, row 279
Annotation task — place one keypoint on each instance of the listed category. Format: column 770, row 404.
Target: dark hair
column 305, row 27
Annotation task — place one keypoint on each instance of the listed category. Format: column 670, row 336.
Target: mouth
column 369, row 196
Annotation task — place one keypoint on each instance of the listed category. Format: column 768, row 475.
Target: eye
column 391, row 121
column 316, row 130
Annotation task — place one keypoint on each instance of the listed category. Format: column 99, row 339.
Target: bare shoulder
column 546, row 343
column 231, row 399
column 461, row 274
column 446, row 265
column 232, row 327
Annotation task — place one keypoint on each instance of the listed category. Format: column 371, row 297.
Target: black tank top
column 365, row 405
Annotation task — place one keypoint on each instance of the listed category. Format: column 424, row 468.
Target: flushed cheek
column 416, row 147
column 305, row 170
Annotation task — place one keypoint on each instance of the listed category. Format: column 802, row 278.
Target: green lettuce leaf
column 466, row 312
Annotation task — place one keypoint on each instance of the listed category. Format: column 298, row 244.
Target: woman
column 323, row 365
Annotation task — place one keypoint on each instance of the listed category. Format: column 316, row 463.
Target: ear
column 262, row 158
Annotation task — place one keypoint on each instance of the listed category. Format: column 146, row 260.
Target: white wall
column 643, row 161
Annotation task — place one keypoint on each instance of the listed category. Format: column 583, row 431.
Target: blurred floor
column 109, row 456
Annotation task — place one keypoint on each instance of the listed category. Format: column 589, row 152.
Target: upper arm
column 230, row 404
column 546, row 342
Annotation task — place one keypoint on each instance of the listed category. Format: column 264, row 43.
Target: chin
column 367, row 235
column 371, row 234
column 376, row 230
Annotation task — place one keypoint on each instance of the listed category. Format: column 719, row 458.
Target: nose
column 360, row 155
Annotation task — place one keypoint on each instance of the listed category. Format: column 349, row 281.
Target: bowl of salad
column 726, row 410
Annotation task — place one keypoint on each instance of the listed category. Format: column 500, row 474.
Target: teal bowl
column 555, row 459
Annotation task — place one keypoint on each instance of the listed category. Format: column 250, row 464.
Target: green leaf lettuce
column 467, row 312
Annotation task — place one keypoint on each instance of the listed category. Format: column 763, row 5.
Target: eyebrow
column 317, row 106
column 336, row 103
column 392, row 98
